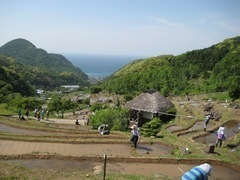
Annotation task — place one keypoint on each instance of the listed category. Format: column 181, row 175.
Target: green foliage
column 4, row 110
column 127, row 97
column 97, row 106
column 95, row 89
column 116, row 118
column 58, row 104
column 151, row 128
column 55, row 104
column 39, row 68
column 16, row 101
column 220, row 96
column 234, row 87
column 213, row 69
column 11, row 81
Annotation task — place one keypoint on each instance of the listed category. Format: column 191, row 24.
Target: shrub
column 95, row 89
column 115, row 118
column 151, row 128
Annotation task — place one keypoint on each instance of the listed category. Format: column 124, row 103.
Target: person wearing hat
column 200, row 172
column 135, row 135
column 220, row 136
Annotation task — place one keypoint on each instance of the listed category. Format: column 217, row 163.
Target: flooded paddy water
column 232, row 128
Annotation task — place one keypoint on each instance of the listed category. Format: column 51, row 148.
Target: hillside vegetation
column 213, row 69
column 35, row 67
column 10, row 80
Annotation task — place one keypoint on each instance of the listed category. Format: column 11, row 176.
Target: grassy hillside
column 213, row 69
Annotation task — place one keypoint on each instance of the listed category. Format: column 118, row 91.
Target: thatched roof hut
column 146, row 106
column 150, row 101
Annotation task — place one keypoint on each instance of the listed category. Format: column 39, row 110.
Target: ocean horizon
column 98, row 65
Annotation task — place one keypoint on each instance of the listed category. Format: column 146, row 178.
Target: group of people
column 40, row 114
column 37, row 114
column 202, row 171
column 21, row 116
column 220, row 133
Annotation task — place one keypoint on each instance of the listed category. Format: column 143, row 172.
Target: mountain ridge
column 38, row 67
column 212, row 69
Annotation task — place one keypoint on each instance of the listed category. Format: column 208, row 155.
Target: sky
column 120, row 27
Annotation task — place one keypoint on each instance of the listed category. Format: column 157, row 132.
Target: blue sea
column 99, row 66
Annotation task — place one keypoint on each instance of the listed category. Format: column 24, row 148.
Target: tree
column 234, row 88
column 55, row 104
column 16, row 101
column 59, row 104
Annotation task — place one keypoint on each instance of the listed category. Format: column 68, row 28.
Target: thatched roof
column 151, row 101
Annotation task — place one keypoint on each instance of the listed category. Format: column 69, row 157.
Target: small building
column 70, row 88
column 40, row 91
column 148, row 105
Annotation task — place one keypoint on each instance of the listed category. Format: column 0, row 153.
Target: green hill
column 212, row 69
column 39, row 68
column 10, row 80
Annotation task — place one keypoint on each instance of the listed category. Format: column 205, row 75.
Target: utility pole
column 104, row 167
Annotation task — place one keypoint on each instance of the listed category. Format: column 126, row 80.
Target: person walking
column 42, row 113
column 208, row 117
column 135, row 135
column 220, row 136
column 77, row 122
column 38, row 116
column 47, row 114
column 27, row 112
column 19, row 113
column 35, row 113
column 200, row 172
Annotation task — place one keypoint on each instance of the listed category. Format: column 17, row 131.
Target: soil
column 173, row 171
column 79, row 156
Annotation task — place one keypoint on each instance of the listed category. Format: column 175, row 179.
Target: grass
column 4, row 110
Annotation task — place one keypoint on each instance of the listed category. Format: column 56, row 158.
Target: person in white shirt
column 135, row 135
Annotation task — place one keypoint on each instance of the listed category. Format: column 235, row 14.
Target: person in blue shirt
column 200, row 172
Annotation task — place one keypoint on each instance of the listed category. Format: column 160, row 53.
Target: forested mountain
column 39, row 68
column 212, row 69
column 10, row 80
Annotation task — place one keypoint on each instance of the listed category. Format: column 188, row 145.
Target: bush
column 95, row 89
column 96, row 106
column 116, row 118
column 151, row 128
column 127, row 97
